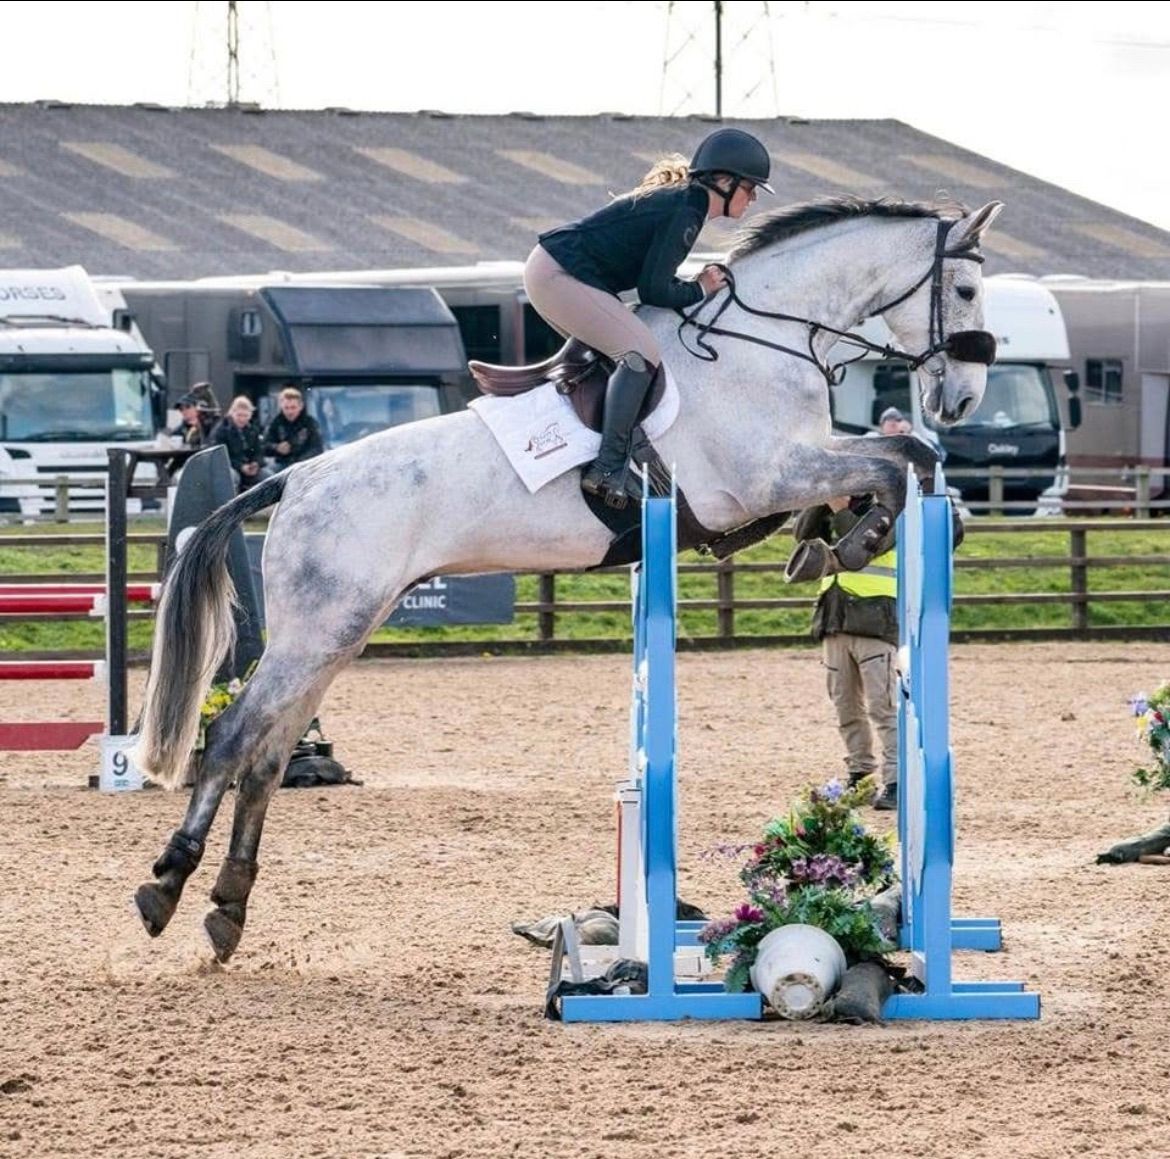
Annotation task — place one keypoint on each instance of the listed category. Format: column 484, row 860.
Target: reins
column 964, row 345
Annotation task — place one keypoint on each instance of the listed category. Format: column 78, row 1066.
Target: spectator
column 199, row 415
column 241, row 436
column 293, row 435
column 894, row 422
column 856, row 620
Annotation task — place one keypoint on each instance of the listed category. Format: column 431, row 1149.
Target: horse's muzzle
column 971, row 346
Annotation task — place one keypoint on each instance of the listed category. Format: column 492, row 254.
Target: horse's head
column 939, row 321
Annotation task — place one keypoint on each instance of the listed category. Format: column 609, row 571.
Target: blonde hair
column 292, row 392
column 673, row 169
column 242, row 402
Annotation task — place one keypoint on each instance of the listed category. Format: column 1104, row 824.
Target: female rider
column 638, row 241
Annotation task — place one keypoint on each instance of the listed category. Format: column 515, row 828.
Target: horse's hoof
column 223, row 933
column 813, row 559
column 155, row 907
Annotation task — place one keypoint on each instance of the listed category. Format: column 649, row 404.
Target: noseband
column 962, row 346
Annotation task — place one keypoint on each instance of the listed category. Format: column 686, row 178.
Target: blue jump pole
column 655, row 739
column 926, row 784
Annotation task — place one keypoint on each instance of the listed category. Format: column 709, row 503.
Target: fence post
column 1142, row 490
column 725, row 592
column 1079, row 580
column 995, row 489
column 61, row 513
column 546, row 589
column 118, row 476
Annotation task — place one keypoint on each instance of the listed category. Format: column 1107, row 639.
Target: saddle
column 576, row 370
column 582, row 374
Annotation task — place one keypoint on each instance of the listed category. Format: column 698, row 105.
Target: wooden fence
column 546, row 623
column 1139, row 491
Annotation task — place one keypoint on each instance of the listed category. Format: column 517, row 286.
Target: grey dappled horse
column 359, row 526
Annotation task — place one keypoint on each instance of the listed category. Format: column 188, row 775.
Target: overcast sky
column 1077, row 94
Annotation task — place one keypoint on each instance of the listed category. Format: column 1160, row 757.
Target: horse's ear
column 977, row 223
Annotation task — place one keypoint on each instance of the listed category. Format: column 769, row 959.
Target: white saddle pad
column 542, row 437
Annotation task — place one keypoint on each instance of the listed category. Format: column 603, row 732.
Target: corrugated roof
column 180, row 193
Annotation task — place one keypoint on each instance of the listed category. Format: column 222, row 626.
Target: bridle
column 962, row 346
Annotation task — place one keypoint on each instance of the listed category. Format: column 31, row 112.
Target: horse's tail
column 194, row 631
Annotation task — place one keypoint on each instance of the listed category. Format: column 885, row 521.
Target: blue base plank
column 676, row 1007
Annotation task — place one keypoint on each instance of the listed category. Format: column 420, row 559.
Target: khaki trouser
column 861, row 676
column 576, row 310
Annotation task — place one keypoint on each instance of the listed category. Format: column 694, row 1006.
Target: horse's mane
column 768, row 228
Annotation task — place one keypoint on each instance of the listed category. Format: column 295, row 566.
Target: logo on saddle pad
column 547, row 442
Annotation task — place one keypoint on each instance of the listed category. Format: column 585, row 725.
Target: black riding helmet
column 736, row 153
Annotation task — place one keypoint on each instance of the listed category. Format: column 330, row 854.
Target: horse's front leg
column 829, row 474
column 156, row 900
column 905, row 450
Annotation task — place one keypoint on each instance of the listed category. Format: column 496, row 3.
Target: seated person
column 293, row 435
column 241, row 436
column 199, row 416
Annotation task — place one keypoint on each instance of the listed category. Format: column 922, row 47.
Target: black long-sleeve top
column 243, row 443
column 302, row 434
column 636, row 243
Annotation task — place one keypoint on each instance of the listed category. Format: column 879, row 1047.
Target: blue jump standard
column 926, row 785
column 656, row 741
column 925, row 798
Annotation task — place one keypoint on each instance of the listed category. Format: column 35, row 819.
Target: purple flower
column 821, row 869
column 748, row 913
column 1139, row 704
column 832, row 790
column 716, row 931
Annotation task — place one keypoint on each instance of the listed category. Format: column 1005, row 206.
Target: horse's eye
column 967, row 293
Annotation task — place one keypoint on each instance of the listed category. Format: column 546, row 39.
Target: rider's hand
column 711, row 278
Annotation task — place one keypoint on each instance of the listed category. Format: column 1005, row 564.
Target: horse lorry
column 365, row 357
column 1119, row 334
column 76, row 378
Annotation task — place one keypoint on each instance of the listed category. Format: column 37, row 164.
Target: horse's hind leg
column 224, row 925
column 156, row 900
column 284, row 695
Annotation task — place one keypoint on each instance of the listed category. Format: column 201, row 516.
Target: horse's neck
column 835, row 275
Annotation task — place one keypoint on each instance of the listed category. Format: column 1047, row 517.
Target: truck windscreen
column 81, row 406
column 1018, row 395
column 348, row 413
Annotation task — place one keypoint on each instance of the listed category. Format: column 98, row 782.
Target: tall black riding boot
column 609, row 474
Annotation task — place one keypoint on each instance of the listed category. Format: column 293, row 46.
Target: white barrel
column 797, row 968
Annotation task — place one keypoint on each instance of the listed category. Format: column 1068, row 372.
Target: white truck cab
column 72, row 384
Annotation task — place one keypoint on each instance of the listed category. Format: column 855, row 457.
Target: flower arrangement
column 816, row 865
column 1153, row 713
column 219, row 696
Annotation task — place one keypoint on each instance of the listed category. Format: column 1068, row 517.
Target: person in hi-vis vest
column 856, row 619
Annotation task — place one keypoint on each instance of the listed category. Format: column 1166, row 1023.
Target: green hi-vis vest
column 879, row 578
